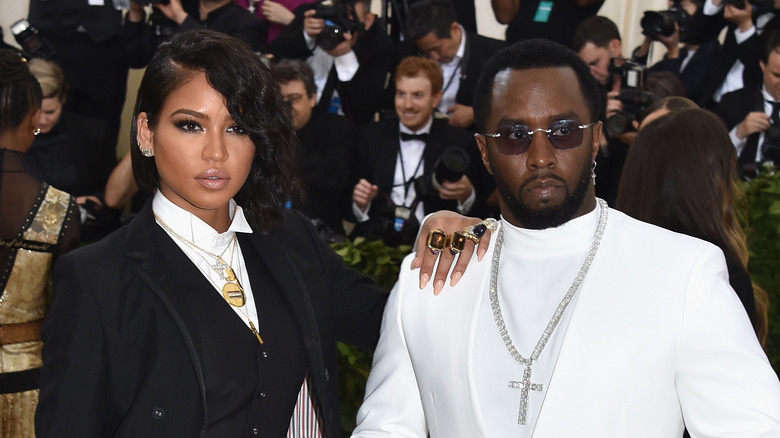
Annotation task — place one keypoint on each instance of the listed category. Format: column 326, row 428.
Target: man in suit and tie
column 412, row 165
column 751, row 113
column 432, row 25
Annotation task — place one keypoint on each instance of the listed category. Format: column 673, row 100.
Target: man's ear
column 482, row 144
column 598, row 131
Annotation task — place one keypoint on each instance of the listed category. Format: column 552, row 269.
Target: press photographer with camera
column 737, row 63
column 413, row 165
column 170, row 17
column 752, row 116
column 349, row 51
column 690, row 53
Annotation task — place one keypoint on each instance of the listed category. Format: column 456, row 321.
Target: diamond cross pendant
column 525, row 386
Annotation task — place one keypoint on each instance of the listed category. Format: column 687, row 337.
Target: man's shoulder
column 648, row 239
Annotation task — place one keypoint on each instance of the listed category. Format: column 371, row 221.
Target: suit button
column 255, row 431
column 264, row 354
column 262, row 395
column 327, row 375
column 158, row 413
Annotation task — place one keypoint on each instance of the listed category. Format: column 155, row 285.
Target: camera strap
column 407, row 182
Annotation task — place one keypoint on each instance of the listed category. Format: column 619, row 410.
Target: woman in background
column 37, row 224
column 680, row 174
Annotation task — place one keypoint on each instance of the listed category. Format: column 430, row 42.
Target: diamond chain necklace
column 525, row 385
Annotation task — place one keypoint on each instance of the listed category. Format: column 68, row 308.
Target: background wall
column 625, row 13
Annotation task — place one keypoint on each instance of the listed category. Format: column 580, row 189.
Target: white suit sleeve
column 725, row 383
column 392, row 406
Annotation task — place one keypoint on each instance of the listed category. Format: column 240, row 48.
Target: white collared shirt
column 739, row 143
column 192, row 228
column 451, row 72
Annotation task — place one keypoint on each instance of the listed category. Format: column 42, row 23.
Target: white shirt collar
column 461, row 49
column 193, row 228
column 424, row 130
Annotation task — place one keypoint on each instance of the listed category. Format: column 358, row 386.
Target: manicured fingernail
column 455, row 278
column 438, row 286
column 424, row 280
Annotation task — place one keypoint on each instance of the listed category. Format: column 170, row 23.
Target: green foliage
column 381, row 263
column 761, row 220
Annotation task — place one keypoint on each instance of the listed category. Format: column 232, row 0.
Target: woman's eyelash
column 187, row 124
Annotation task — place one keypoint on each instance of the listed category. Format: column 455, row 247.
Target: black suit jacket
column 478, row 50
column 748, row 52
column 733, row 108
column 122, row 355
column 367, row 92
column 326, row 162
column 377, row 150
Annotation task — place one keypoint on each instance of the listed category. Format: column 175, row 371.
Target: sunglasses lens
column 513, row 140
column 565, row 134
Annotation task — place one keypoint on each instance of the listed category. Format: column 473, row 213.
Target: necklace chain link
column 559, row 311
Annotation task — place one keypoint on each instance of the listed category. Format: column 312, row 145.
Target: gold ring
column 491, row 224
column 437, row 240
column 457, row 241
column 471, row 236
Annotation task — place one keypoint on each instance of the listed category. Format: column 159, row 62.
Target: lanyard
column 407, row 182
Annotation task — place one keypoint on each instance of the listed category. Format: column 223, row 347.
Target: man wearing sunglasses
column 585, row 322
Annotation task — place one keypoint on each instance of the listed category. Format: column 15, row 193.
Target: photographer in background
column 693, row 61
column 87, row 39
column 326, row 149
column 349, row 51
column 174, row 16
column 751, row 114
column 402, row 165
column 737, row 62
column 432, row 26
column 597, row 42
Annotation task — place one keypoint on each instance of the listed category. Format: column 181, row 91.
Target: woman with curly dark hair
column 216, row 311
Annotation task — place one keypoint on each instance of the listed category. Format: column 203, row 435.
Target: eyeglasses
column 516, row 139
column 292, row 98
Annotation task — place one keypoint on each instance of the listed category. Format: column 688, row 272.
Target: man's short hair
column 530, row 54
column 597, row 30
column 288, row 70
column 771, row 44
column 414, row 66
column 430, row 16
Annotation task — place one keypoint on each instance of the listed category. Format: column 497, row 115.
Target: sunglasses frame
column 552, row 139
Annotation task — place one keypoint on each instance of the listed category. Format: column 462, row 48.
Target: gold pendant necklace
column 232, row 291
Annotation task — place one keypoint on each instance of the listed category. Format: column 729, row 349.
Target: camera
column 635, row 100
column 759, row 6
column 771, row 147
column 338, row 21
column 33, row 45
column 662, row 22
column 450, row 166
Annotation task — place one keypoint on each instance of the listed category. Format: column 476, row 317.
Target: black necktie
column 422, row 137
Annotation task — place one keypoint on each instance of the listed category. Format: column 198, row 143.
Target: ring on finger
column 437, row 240
column 457, row 241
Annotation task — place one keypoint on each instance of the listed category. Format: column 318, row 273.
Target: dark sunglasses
column 516, row 139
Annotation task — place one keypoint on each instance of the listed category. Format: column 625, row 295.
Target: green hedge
column 761, row 219
column 382, row 263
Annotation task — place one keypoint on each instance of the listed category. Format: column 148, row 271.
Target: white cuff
column 346, row 66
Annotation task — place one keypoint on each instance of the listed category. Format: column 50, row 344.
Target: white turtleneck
column 536, row 269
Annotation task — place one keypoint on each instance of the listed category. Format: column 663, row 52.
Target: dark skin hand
column 448, row 222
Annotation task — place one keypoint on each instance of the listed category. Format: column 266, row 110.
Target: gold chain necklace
column 232, row 291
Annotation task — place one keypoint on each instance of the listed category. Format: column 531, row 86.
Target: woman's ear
column 145, row 135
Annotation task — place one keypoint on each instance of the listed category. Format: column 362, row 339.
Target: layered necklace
column 525, row 385
column 232, row 290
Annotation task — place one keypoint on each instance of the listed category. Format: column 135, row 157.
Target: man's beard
column 549, row 216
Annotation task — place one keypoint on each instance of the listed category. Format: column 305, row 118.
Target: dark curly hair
column 20, row 92
column 528, row 54
column 253, row 99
